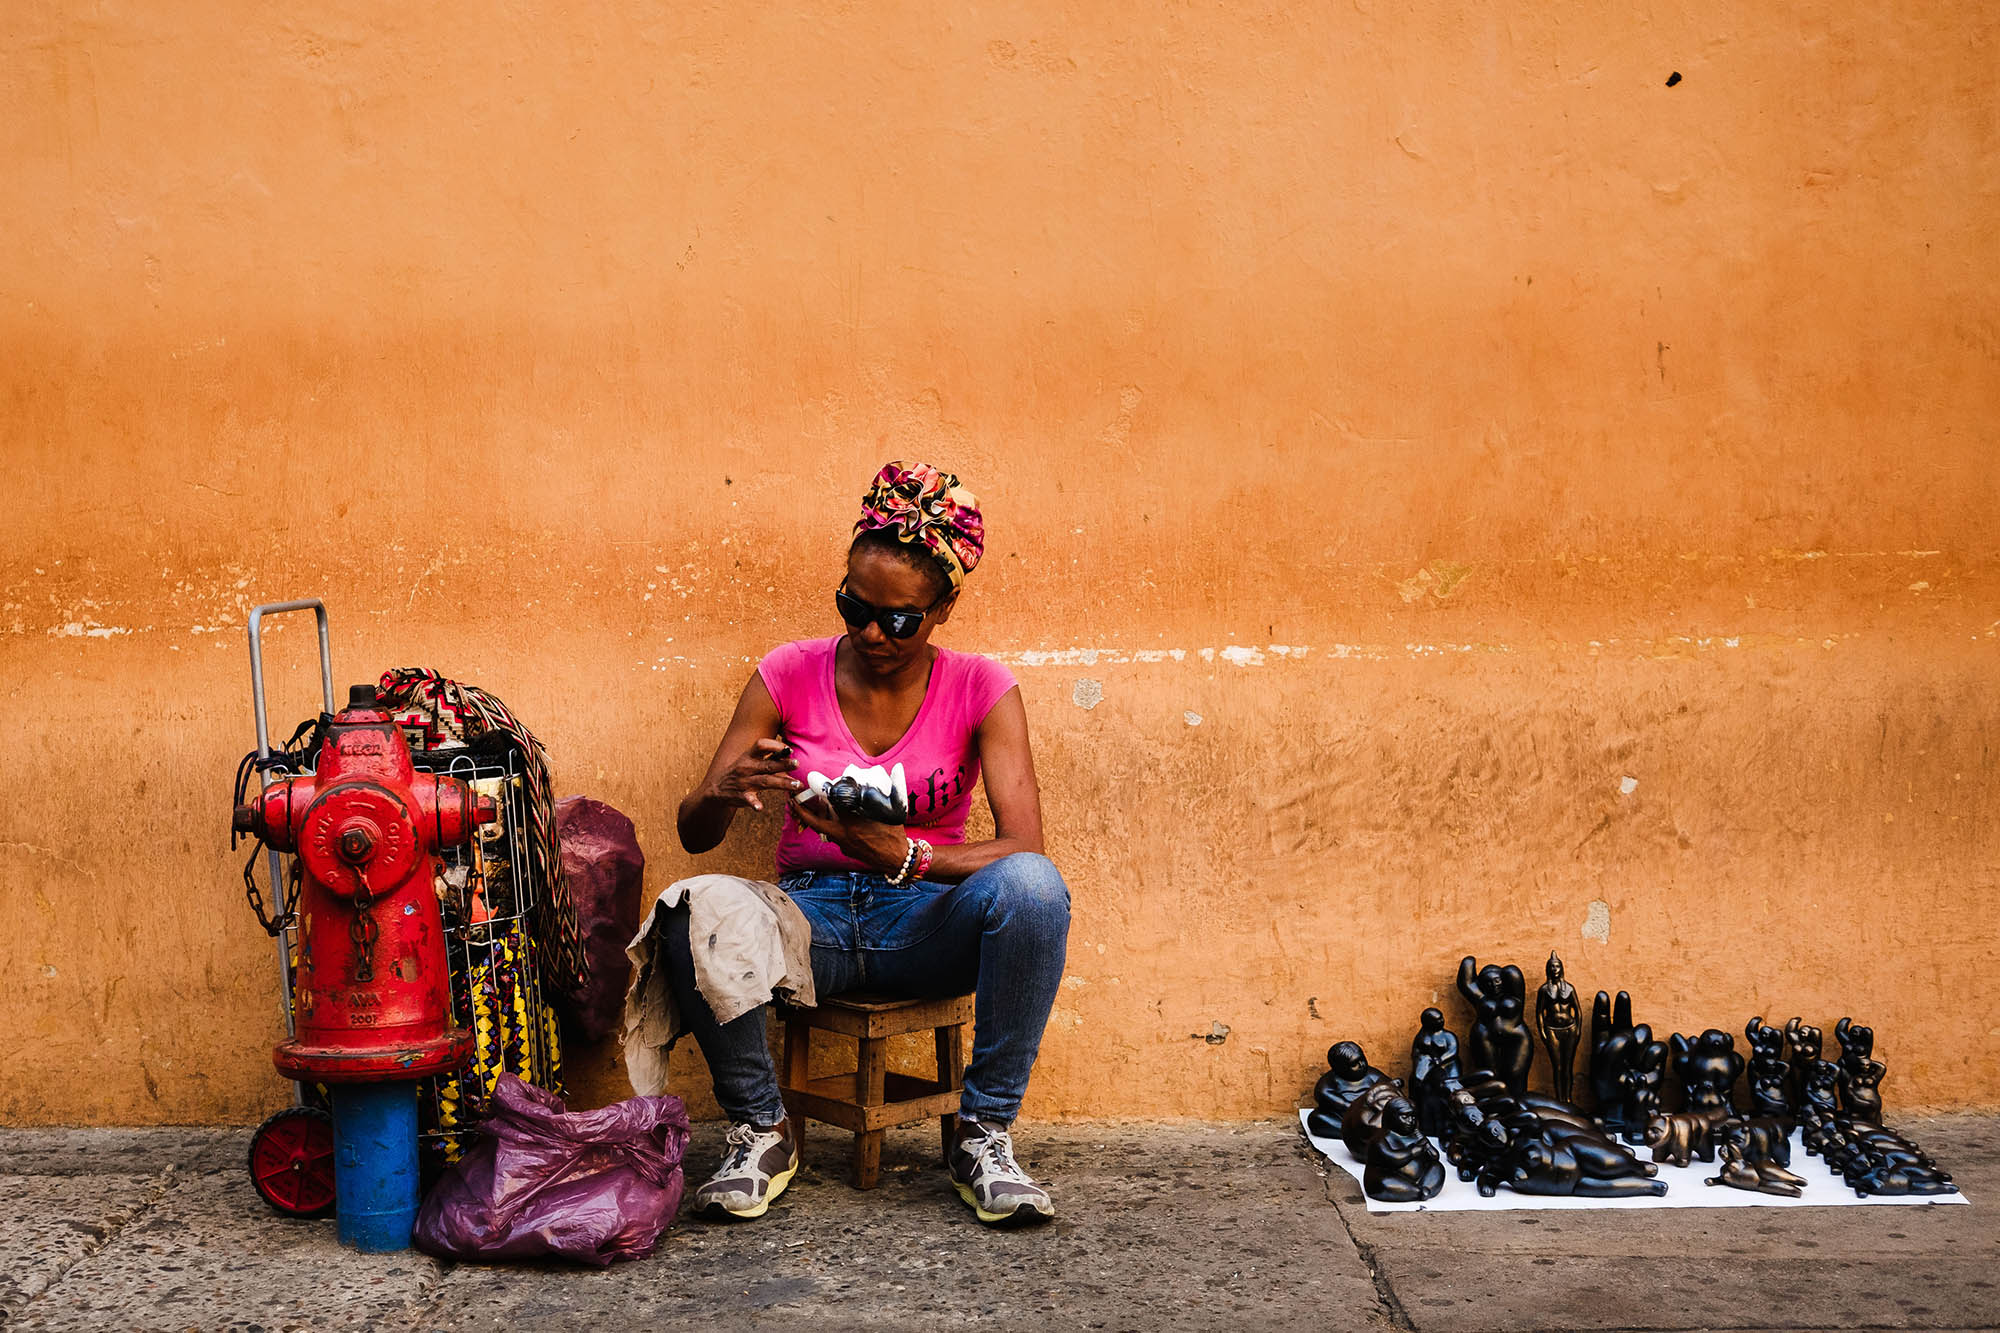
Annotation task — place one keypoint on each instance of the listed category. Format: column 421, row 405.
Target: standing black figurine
column 1860, row 1077
column 1610, row 1035
column 1769, row 1074
column 1646, row 1069
column 1402, row 1166
column 1433, row 1068
column 1560, row 1022
column 1499, row 1041
column 1626, row 1067
column 1707, row 1067
column 1804, row 1039
column 1348, row 1074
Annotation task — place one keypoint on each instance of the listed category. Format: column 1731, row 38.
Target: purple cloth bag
column 606, row 873
column 545, row 1182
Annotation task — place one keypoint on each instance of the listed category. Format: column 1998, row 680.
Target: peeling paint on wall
column 1597, row 921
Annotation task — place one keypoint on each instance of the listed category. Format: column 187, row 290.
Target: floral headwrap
column 926, row 508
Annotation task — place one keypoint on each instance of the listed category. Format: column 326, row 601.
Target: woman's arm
column 751, row 759
column 1009, row 772
column 1008, row 768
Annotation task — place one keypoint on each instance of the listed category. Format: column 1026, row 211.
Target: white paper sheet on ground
column 1685, row 1188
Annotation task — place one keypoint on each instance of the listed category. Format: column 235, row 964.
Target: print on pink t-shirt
column 939, row 753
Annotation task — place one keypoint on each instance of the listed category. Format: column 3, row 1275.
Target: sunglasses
column 895, row 624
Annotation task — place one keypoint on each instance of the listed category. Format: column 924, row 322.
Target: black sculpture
column 1626, row 1067
column 1707, row 1067
column 1765, row 1138
column 1493, row 1129
column 1433, row 1064
column 1804, row 1040
column 1874, row 1160
column 1348, row 1074
column 1769, row 1074
column 1402, row 1166
column 1819, row 1091
column 1364, row 1116
column 1560, row 1022
column 1473, row 1139
column 1646, row 1069
column 1499, row 1040
column 1548, row 1164
column 1490, row 1092
column 1754, row 1155
column 865, row 793
column 1686, row 1136
column 1860, row 1077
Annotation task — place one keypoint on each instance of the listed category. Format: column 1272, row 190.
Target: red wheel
column 291, row 1161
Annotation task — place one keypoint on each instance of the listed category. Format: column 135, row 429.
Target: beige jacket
column 749, row 942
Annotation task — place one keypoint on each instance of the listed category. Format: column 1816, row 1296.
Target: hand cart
column 488, row 900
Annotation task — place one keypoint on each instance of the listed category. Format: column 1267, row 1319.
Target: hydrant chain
column 363, row 931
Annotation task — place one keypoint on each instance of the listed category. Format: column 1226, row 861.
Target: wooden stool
column 871, row 1099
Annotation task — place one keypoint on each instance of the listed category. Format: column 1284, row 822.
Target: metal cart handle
column 277, row 871
column 318, row 608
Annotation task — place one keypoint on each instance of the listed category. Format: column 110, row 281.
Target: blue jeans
column 1003, row 934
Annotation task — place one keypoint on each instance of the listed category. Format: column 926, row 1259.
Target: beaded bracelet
column 916, row 862
column 902, row 875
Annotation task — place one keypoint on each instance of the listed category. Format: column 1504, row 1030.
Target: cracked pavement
column 1186, row 1226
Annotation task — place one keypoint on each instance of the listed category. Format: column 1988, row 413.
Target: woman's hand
column 883, row 846
column 765, row 766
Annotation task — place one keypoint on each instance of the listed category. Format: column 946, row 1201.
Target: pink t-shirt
column 939, row 753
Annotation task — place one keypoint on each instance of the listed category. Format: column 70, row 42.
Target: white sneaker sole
column 718, row 1210
column 1023, row 1215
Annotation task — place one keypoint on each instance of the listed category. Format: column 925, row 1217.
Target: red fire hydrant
column 372, row 987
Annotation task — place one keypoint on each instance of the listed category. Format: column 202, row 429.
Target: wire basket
column 488, row 898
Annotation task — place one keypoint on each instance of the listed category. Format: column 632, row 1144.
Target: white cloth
column 1687, row 1187
column 748, row 941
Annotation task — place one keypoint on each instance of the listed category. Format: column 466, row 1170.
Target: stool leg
column 870, row 1075
column 798, row 1059
column 951, row 1075
column 867, row 1159
column 798, row 1050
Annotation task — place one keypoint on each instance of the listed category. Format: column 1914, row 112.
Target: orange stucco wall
column 1449, row 491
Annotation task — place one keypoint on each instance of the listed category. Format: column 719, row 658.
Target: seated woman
column 913, row 911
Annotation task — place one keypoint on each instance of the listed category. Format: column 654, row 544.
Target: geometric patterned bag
column 444, row 710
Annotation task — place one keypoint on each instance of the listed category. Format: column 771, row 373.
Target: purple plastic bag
column 606, row 870
column 592, row 1186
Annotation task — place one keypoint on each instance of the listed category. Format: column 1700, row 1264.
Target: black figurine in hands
column 865, row 793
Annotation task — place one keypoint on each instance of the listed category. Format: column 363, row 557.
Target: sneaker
column 987, row 1177
column 756, row 1167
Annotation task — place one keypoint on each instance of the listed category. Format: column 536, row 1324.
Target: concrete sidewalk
column 1177, row 1226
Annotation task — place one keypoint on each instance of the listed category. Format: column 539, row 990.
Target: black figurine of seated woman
column 1402, row 1166
column 1348, row 1075
column 1433, row 1069
column 1365, row 1115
